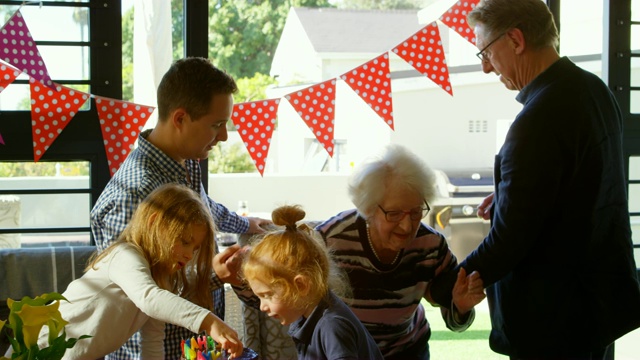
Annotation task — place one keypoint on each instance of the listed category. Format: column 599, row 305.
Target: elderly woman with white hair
column 390, row 256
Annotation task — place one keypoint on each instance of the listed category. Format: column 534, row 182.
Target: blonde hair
column 281, row 255
column 161, row 220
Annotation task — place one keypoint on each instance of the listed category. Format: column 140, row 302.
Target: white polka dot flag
column 456, row 19
column 424, row 51
column 372, row 82
column 316, row 106
column 7, row 75
column 19, row 49
column 121, row 123
column 51, row 112
column 255, row 122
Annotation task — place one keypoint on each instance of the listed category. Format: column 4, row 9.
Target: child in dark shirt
column 292, row 273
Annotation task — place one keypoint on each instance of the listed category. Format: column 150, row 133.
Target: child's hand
column 223, row 335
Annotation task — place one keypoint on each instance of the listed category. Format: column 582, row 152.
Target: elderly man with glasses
column 390, row 256
column 558, row 260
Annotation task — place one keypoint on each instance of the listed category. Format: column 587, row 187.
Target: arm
column 468, row 292
column 227, row 265
column 527, row 185
column 131, row 273
column 227, row 220
column 110, row 216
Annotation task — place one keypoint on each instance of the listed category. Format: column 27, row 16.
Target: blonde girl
column 157, row 272
column 292, row 274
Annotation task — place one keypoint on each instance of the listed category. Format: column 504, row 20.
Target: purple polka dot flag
column 456, row 19
column 51, row 112
column 423, row 50
column 255, row 122
column 316, row 106
column 372, row 82
column 121, row 123
column 18, row 49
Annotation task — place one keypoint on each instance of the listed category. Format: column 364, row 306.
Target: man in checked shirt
column 194, row 105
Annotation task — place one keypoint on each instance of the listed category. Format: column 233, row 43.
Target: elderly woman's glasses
column 398, row 215
column 482, row 54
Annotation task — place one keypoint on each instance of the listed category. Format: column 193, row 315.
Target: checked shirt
column 144, row 170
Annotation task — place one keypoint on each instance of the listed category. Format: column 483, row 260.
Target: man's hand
column 227, row 264
column 258, row 225
column 484, row 209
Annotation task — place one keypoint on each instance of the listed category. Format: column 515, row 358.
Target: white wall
column 321, row 196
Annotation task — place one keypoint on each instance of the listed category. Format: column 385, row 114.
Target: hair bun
column 288, row 216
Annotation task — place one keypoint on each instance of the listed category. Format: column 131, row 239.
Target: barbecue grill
column 453, row 212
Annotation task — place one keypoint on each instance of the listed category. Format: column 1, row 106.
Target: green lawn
column 472, row 344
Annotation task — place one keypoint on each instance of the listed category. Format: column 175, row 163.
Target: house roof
column 349, row 31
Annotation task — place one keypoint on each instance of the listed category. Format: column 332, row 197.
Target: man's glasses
column 482, row 55
column 398, row 215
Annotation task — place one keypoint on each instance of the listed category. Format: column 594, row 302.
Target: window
column 48, row 202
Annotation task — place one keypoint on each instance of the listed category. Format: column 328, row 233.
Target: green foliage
column 230, row 158
column 243, row 35
column 127, row 55
column 254, row 88
column 177, row 28
column 381, row 4
column 20, row 169
column 26, row 319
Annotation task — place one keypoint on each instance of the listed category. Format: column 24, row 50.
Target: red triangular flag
column 121, row 123
column 51, row 111
column 424, row 51
column 316, row 105
column 372, row 82
column 7, row 75
column 19, row 50
column 1, row 140
column 456, row 19
column 255, row 122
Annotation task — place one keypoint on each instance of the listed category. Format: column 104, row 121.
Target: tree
column 382, row 4
column 230, row 158
column 127, row 55
column 244, row 34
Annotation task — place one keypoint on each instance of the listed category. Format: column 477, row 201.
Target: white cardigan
column 116, row 300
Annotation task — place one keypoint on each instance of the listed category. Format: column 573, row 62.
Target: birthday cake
column 205, row 348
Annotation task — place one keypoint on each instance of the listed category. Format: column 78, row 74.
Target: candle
column 211, row 343
column 202, row 342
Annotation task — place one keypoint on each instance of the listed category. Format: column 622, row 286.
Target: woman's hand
column 227, row 264
column 223, row 335
column 468, row 291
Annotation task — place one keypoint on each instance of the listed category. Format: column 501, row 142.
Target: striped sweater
column 386, row 297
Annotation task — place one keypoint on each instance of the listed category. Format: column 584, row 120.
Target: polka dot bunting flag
column 121, row 123
column 423, row 50
column 255, row 122
column 18, row 48
column 51, row 112
column 7, row 75
column 456, row 18
column 316, row 107
column 372, row 82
